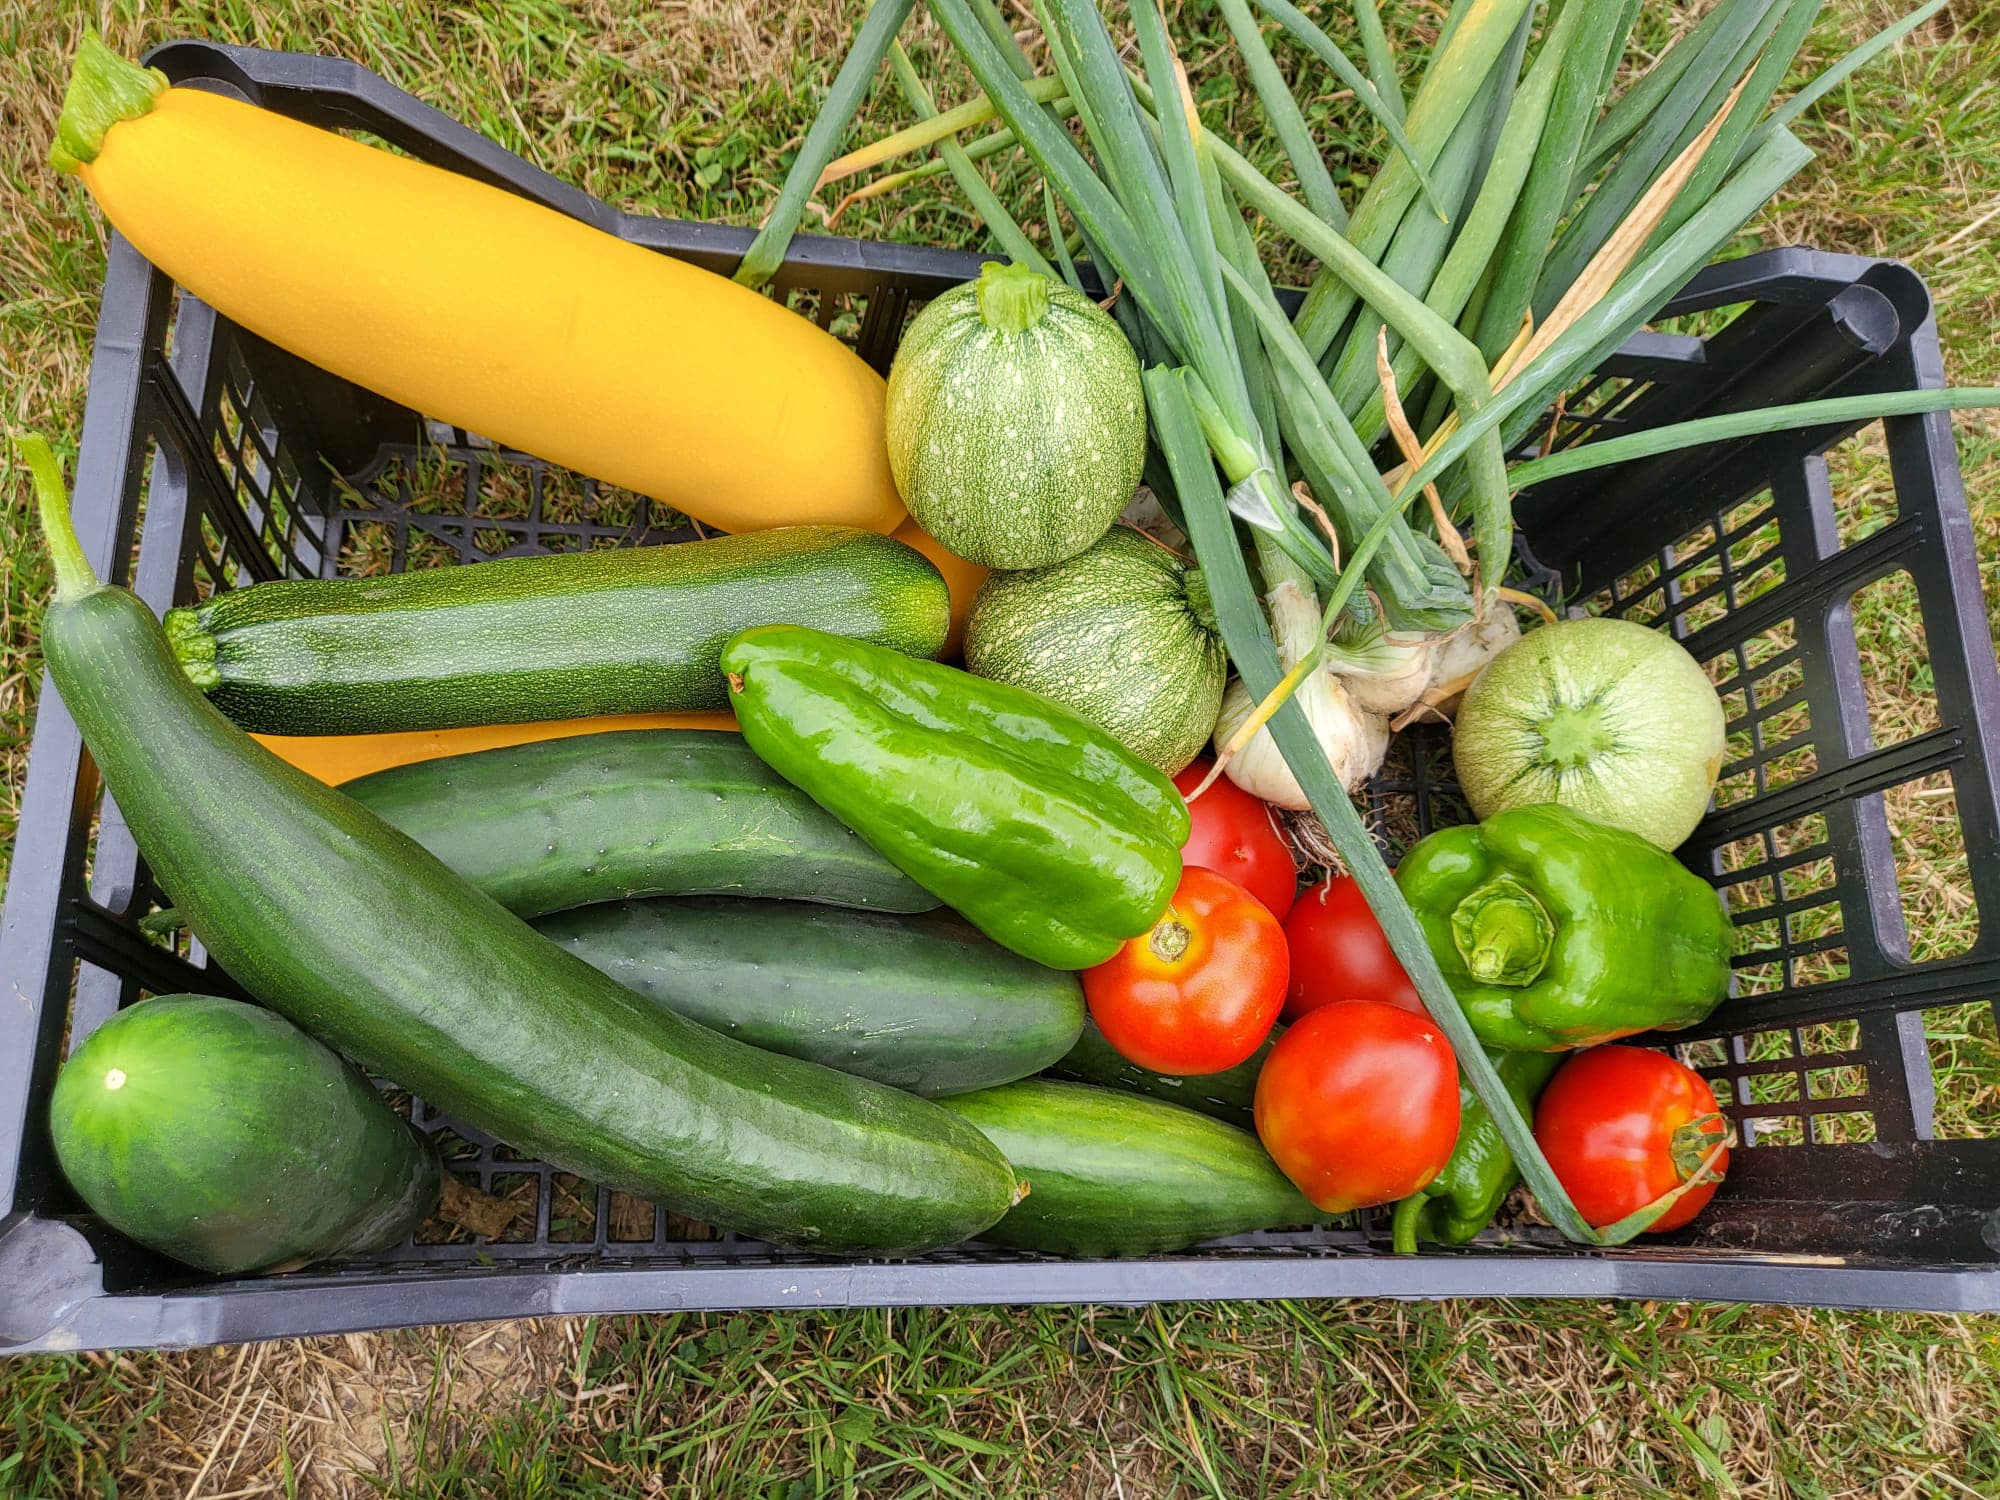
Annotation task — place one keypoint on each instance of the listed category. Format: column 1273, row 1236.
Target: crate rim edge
column 55, row 1258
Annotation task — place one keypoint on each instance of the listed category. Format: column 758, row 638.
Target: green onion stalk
column 878, row 29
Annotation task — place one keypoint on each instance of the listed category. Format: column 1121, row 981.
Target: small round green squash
column 1016, row 420
column 1605, row 717
column 1123, row 635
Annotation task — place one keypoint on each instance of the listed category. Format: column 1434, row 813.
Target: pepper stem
column 1403, row 1224
column 1503, row 932
column 104, row 88
column 74, row 575
column 1012, row 298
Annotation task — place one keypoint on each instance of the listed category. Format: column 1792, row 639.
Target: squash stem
column 74, row 575
column 103, row 89
column 193, row 646
column 1012, row 298
column 1200, row 604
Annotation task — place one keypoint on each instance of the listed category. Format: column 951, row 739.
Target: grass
column 691, row 110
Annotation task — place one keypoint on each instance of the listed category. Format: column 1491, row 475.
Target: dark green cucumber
column 1225, row 1096
column 921, row 1002
column 1111, row 1173
column 357, row 933
column 566, row 635
column 637, row 812
column 220, row 1134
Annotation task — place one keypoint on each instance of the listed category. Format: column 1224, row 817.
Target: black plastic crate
column 210, row 459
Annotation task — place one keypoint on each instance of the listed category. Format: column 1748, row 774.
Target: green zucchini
column 637, row 812
column 1225, row 1096
column 924, row 1003
column 220, row 1134
column 1116, row 1174
column 355, row 932
column 564, row 635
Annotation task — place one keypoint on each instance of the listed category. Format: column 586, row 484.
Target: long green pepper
column 1040, row 829
column 1461, row 1200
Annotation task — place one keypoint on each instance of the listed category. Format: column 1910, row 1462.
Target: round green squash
column 1605, row 717
column 1016, row 421
column 220, row 1134
column 1122, row 635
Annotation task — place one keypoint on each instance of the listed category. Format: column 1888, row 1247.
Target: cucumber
column 924, row 1003
column 1225, row 1096
column 357, row 933
column 1116, row 1174
column 220, row 1134
column 640, row 812
column 566, row 635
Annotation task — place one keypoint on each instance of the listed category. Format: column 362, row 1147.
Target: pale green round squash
column 1606, row 717
column 1122, row 635
column 1016, row 421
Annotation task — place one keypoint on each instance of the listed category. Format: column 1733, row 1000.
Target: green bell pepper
column 1461, row 1200
column 1556, row 931
column 1040, row 829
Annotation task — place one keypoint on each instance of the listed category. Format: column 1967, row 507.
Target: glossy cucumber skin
column 1112, row 1173
column 356, row 933
column 640, row 812
column 220, row 1134
column 1226, row 1096
column 564, row 635
column 922, row 1003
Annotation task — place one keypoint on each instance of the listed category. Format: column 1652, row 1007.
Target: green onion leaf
column 850, row 85
column 1829, row 411
column 1247, row 635
column 985, row 202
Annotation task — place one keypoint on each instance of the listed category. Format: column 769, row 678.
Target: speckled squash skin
column 1016, row 421
column 1121, row 634
column 557, row 636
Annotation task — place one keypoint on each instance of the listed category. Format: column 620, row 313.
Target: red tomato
column 1236, row 835
column 1201, row 990
column 1339, row 952
column 1625, row 1126
column 1358, row 1104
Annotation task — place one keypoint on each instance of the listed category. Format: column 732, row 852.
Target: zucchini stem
column 74, row 575
column 194, row 647
column 103, row 89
